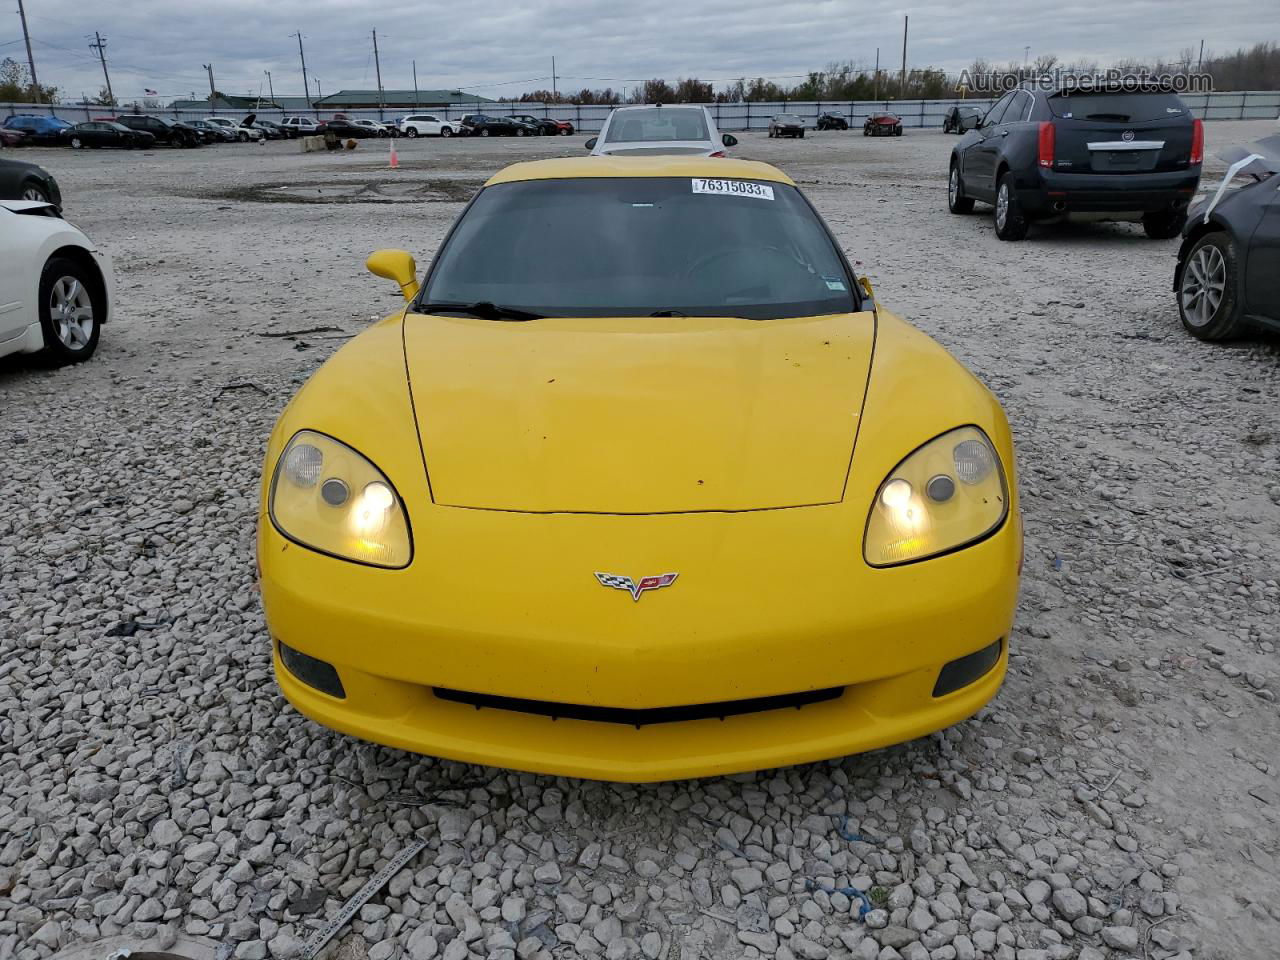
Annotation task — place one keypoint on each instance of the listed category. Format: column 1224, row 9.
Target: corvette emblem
column 635, row 589
column 1127, row 136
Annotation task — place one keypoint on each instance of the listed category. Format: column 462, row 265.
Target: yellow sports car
column 640, row 485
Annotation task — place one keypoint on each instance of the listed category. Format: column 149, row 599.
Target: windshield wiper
column 484, row 309
column 668, row 313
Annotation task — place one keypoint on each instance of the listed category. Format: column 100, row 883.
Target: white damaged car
column 55, row 285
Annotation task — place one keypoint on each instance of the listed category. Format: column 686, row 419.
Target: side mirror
column 729, row 140
column 590, row 144
column 866, row 288
column 397, row 265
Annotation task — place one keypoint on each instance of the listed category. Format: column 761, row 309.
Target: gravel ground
column 1118, row 799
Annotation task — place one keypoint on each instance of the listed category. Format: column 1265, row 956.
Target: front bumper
column 512, row 610
column 1052, row 191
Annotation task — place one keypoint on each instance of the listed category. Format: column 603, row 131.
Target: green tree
column 15, row 85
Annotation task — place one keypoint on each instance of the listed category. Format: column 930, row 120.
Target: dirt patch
column 377, row 191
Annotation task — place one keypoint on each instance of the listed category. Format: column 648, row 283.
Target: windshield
column 638, row 246
column 660, row 123
column 787, row 118
column 1117, row 107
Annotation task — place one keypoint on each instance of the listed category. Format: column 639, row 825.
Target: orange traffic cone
column 395, row 160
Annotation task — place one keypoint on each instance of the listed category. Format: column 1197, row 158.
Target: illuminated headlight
column 327, row 497
column 949, row 493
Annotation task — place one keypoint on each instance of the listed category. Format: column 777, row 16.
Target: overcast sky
column 501, row 49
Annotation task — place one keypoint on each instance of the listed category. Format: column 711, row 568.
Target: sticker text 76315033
column 733, row 188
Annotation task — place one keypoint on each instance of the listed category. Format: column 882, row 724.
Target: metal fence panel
column 588, row 118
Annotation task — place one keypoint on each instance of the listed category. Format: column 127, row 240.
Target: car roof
column 585, row 168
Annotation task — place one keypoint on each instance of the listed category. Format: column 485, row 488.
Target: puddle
column 385, row 191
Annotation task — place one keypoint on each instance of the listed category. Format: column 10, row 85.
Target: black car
column 960, row 119
column 344, row 129
column 542, row 126
column 106, row 133
column 1226, row 278
column 1113, row 154
column 173, row 133
column 480, row 125
column 786, row 125
column 831, row 121
column 20, row 180
column 274, row 131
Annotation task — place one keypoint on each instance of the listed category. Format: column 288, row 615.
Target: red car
column 566, row 128
column 11, row 138
column 882, row 125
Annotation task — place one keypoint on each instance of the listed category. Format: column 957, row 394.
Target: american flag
column 147, row 91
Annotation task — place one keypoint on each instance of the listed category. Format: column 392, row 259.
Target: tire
column 244, row 138
column 69, row 303
column 866, row 132
column 801, row 134
column 31, row 190
column 484, row 132
column 1009, row 221
column 567, row 131
column 446, row 132
column 1164, row 225
column 1212, row 264
column 957, row 202
column 412, row 133
column 897, row 131
column 520, row 131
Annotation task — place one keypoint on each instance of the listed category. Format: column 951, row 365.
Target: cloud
column 502, row 49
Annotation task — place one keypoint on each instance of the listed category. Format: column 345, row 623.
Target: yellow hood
column 654, row 415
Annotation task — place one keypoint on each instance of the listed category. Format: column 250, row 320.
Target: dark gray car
column 1226, row 278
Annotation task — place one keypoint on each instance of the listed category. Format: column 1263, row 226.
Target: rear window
column 630, row 247
column 1117, row 107
column 667, row 123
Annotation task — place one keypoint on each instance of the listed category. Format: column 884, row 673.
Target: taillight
column 1197, row 141
column 1046, row 143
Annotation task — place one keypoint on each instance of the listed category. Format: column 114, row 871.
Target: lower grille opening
column 313, row 672
column 965, row 670
column 640, row 718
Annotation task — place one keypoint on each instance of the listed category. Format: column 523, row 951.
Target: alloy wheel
column 1002, row 206
column 71, row 309
column 953, row 186
column 32, row 192
column 1204, row 282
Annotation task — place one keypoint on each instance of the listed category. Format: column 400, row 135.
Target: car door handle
column 1003, row 133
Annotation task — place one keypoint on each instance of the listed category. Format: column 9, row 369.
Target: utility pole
column 306, row 88
column 415, row 84
column 213, row 92
column 271, row 90
column 319, row 95
column 101, row 47
column 378, row 69
column 902, row 92
column 1026, row 52
column 31, row 61
column 877, row 93
column 1199, row 63
column 554, row 96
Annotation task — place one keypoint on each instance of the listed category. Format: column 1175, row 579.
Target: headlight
column 327, row 497
column 947, row 494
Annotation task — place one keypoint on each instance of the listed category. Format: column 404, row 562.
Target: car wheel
column 69, row 314
column 244, row 138
column 484, row 132
column 1010, row 223
column 1207, row 301
column 520, row 131
column 957, row 202
column 33, row 191
column 412, row 133
column 446, row 131
column 566, row 131
column 1164, row 225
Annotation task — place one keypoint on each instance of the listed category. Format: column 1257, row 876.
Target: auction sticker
column 733, row 188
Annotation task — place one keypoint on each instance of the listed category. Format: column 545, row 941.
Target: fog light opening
column 315, row 673
column 961, row 672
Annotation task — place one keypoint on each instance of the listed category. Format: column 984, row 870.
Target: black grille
column 967, row 669
column 311, row 671
column 640, row 718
